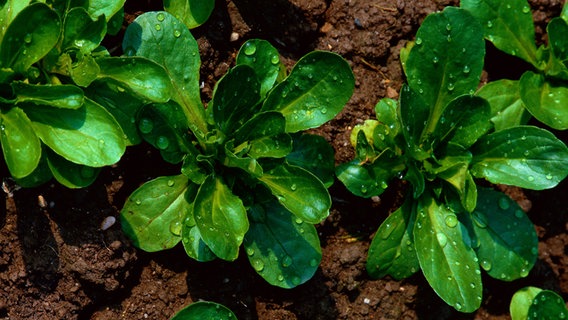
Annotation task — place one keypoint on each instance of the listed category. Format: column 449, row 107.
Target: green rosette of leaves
column 541, row 92
column 66, row 106
column 248, row 176
column 440, row 138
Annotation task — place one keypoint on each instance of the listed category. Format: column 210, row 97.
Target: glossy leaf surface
column 313, row 153
column 221, row 218
column 448, row 263
column 507, row 108
column 265, row 61
column 152, row 216
column 204, row 310
column 508, row 244
column 59, row 96
column 192, row 13
column 545, row 101
column 20, row 145
column 282, row 248
column 315, row 91
column 392, row 250
column 298, row 191
column 507, row 24
column 30, row 36
column 523, row 156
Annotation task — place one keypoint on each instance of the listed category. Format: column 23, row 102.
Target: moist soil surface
column 57, row 263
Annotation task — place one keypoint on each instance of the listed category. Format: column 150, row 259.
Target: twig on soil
column 384, row 8
column 372, row 66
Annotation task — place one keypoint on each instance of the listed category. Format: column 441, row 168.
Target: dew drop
column 448, row 27
column 296, row 280
column 177, row 33
column 435, row 60
column 389, row 228
column 486, row 265
column 293, row 187
column 526, row 9
column 280, row 278
column 162, row 142
column 286, row 261
column 489, row 24
column 250, row 49
column 451, row 221
column 534, row 250
column 313, row 262
column 298, row 220
column 472, row 285
column 158, row 27
column 466, row 69
column 548, row 177
column 323, row 110
column 364, row 189
column 275, row 59
column 442, row 239
column 171, row 183
column 160, row 17
column 258, row 265
column 250, row 252
column 384, row 184
column 138, row 202
column 28, row 38
column 524, row 272
column 458, row 306
column 530, row 178
column 175, row 227
column 519, row 213
column 146, row 125
column 504, row 203
column 418, row 41
column 451, row 86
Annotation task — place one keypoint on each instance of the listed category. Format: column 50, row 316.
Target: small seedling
column 531, row 303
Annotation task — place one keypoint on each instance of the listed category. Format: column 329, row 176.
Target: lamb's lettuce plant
column 66, row 106
column 532, row 303
column 204, row 310
column 248, row 177
column 543, row 92
column 440, row 138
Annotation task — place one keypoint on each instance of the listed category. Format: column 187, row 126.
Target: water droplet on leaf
column 160, row 17
column 250, row 48
column 486, row 265
column 146, row 125
column 162, row 142
column 451, row 221
column 442, row 239
column 504, row 203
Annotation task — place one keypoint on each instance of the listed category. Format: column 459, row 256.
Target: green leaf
column 39, row 176
column 564, row 13
column 70, row 174
column 556, row 30
column 221, row 218
column 523, row 156
column 507, row 108
column 547, row 305
column 283, row 249
column 314, row 154
column 544, row 100
column 521, row 302
column 387, row 114
column 147, row 36
column 277, row 146
column 20, row 145
column 264, row 59
column 152, row 216
column 318, row 87
column 368, row 180
column 413, row 113
column 204, row 310
column 507, row 24
column 139, row 75
column 30, row 36
column 464, row 120
column 392, row 249
column 164, row 127
column 298, row 191
column 192, row 13
column 123, row 107
column 446, row 61
column 84, row 71
column 59, row 96
column 454, row 169
column 508, row 244
column 115, row 23
column 247, row 164
column 193, row 244
column 8, row 11
column 234, row 98
column 81, row 32
column 448, row 263
column 263, row 124
column 106, row 7
column 89, row 135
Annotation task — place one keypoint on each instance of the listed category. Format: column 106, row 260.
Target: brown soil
column 56, row 262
